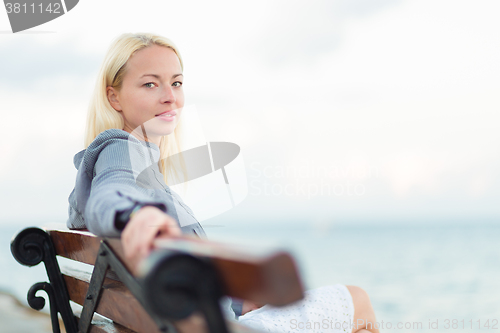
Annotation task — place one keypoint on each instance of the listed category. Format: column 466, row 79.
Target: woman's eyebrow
column 158, row 76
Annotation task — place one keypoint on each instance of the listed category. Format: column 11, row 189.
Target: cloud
column 295, row 31
column 360, row 8
column 25, row 62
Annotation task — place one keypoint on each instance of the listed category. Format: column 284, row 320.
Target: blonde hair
column 102, row 116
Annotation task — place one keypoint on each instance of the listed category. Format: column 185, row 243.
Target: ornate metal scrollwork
column 27, row 246
column 30, row 247
column 38, row 303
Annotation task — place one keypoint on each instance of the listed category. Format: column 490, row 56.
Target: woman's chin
column 153, row 131
column 159, row 127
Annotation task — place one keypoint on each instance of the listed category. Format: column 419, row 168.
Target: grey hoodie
column 116, row 171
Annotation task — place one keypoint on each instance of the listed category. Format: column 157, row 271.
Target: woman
column 133, row 125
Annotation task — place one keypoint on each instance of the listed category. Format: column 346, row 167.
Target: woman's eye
column 148, row 84
column 177, row 84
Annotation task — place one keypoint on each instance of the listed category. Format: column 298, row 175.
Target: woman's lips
column 172, row 112
column 167, row 115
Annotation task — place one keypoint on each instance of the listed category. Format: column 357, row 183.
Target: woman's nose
column 168, row 95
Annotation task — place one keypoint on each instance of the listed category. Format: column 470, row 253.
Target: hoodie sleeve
column 111, row 164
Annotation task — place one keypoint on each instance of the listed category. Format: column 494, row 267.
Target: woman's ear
column 112, row 98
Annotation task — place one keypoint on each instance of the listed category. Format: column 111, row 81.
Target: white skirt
column 327, row 309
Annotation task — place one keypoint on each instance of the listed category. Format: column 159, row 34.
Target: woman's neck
column 142, row 136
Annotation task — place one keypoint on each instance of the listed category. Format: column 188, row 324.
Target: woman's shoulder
column 119, row 136
column 111, row 135
column 118, row 144
column 97, row 144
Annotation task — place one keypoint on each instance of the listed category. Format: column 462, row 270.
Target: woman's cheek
column 180, row 98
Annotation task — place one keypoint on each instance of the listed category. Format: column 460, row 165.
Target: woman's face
column 151, row 93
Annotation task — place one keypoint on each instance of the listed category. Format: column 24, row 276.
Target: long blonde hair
column 102, row 116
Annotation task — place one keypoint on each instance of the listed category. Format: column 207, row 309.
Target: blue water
column 413, row 274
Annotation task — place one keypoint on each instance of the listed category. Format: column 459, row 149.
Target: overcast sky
column 352, row 111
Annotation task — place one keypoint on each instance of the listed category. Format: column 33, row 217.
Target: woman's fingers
column 140, row 232
column 169, row 227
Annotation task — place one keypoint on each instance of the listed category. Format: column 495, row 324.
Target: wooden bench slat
column 273, row 281
column 104, row 325
column 116, row 303
column 79, row 246
column 262, row 278
column 78, row 290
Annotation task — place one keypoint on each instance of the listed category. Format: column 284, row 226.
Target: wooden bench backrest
column 116, row 301
column 265, row 278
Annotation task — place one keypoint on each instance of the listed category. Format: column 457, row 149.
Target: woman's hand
column 147, row 224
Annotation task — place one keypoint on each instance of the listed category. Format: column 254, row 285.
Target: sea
column 432, row 277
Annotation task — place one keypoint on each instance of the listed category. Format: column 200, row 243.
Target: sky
column 346, row 111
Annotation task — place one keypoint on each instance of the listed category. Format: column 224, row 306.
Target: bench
column 177, row 289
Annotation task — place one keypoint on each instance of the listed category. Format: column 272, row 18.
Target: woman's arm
column 111, row 164
column 114, row 189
